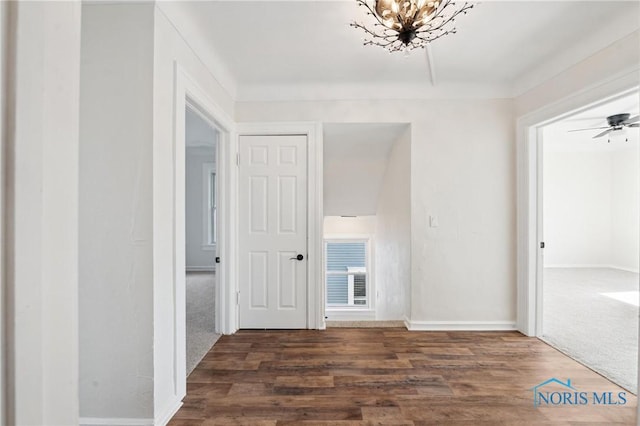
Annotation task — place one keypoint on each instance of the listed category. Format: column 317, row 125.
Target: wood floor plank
column 387, row 377
column 305, row 382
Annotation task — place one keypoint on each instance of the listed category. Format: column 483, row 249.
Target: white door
column 273, row 231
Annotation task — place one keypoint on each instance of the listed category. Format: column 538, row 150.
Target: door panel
column 258, row 279
column 273, row 231
column 258, row 203
column 287, row 187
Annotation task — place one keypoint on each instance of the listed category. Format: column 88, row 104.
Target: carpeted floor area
column 200, row 316
column 600, row 330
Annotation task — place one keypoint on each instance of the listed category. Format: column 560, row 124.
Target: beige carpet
column 584, row 318
column 201, row 316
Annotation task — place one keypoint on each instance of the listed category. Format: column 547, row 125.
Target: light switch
column 433, row 221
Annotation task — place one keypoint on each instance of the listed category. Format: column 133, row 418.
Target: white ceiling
column 355, row 161
column 306, row 49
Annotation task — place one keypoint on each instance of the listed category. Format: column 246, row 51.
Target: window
column 212, row 211
column 347, row 273
column 210, row 236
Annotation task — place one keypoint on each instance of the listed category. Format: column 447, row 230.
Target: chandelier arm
column 377, row 43
column 371, row 11
column 436, row 27
column 387, row 41
column 386, row 30
column 445, row 20
column 430, row 39
column 438, row 30
column 385, row 36
column 368, row 31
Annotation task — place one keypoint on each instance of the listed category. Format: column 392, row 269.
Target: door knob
column 298, row 257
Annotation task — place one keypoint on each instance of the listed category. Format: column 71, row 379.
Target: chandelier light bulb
column 404, row 25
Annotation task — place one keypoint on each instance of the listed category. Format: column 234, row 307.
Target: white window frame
column 209, row 169
column 334, row 311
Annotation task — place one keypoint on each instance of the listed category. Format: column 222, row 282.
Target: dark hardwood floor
column 389, row 377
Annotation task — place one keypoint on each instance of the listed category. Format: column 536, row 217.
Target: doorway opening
column 589, row 231
column 201, row 230
column 367, row 241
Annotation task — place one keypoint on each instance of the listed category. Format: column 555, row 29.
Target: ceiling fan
column 616, row 122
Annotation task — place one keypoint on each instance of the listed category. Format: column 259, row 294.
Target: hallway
column 201, row 316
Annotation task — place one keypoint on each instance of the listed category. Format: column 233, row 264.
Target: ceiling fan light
column 619, row 135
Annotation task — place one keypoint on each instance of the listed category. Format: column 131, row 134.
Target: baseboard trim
column 460, row 325
column 200, row 268
column 622, row 268
column 576, row 265
column 114, row 421
column 323, row 325
column 350, row 315
column 172, row 409
column 162, row 420
column 598, row 266
column 365, row 324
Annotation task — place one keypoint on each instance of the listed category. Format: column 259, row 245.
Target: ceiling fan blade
column 590, row 128
column 632, row 119
column 634, row 125
column 606, row 132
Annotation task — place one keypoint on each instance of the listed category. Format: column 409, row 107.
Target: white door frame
column 189, row 93
column 529, row 190
column 313, row 131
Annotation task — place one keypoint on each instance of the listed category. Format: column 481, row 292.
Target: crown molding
column 368, row 91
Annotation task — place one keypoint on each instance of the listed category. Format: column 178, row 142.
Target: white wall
column 130, row 56
column 393, row 236
column 625, row 203
column 591, row 197
column 199, row 256
column 170, row 49
column 116, row 212
column 354, row 161
column 464, row 270
column 41, row 240
column 577, row 207
column 591, row 203
column 360, row 225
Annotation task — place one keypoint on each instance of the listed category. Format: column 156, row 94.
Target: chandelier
column 403, row 25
